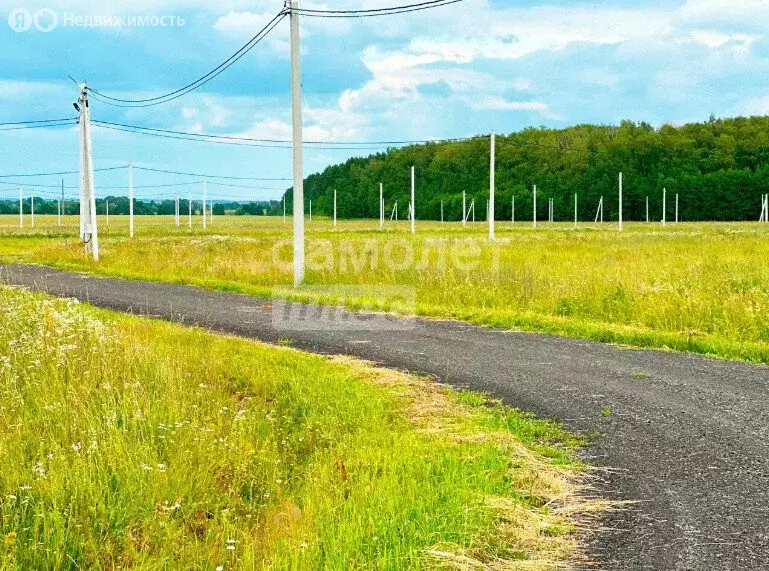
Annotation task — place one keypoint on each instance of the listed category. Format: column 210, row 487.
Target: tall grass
column 133, row 443
column 699, row 287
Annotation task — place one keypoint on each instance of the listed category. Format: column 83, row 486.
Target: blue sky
column 468, row 68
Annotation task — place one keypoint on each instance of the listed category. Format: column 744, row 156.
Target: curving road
column 686, row 436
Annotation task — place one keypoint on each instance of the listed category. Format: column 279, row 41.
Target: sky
column 473, row 67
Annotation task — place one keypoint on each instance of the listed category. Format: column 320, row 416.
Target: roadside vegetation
column 697, row 287
column 133, row 443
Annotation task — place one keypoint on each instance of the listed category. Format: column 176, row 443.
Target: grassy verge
column 128, row 442
column 691, row 287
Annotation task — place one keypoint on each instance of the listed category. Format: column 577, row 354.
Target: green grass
column 129, row 442
column 698, row 287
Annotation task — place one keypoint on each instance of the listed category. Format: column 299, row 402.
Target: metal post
column 413, row 203
column 492, row 178
column 296, row 119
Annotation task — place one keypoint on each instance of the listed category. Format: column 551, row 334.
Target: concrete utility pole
column 620, row 202
column 88, row 227
column 177, row 211
column 575, row 209
column 492, row 178
column 676, row 208
column 61, row 202
column 296, row 119
column 334, row 208
column 464, row 209
column 205, row 201
column 21, row 208
column 535, row 206
column 189, row 206
column 381, row 205
column 413, row 206
column 130, row 200
column 32, row 209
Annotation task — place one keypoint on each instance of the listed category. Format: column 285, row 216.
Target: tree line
column 719, row 169
column 118, row 205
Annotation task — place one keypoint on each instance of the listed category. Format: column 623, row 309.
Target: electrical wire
column 65, row 123
column 311, row 13
column 207, row 176
column 38, row 121
column 59, row 173
column 218, row 70
column 353, row 145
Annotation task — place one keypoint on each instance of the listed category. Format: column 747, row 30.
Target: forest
column 118, row 205
column 719, row 169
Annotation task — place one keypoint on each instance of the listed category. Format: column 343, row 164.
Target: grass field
column 701, row 287
column 131, row 443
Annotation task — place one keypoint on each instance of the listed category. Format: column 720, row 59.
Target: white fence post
column 620, row 202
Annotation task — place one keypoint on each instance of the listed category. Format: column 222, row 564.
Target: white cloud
column 751, row 12
column 714, row 39
column 501, row 104
column 516, row 33
column 757, row 106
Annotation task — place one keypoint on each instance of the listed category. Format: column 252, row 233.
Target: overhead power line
column 40, row 125
column 403, row 9
column 36, row 121
column 266, row 143
column 59, row 173
column 207, row 176
column 247, row 47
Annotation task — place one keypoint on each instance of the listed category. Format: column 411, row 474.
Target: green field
column 134, row 443
column 701, row 287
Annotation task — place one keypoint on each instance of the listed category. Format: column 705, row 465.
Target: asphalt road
column 687, row 437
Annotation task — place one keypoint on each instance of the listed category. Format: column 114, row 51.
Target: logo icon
column 20, row 20
column 46, row 20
